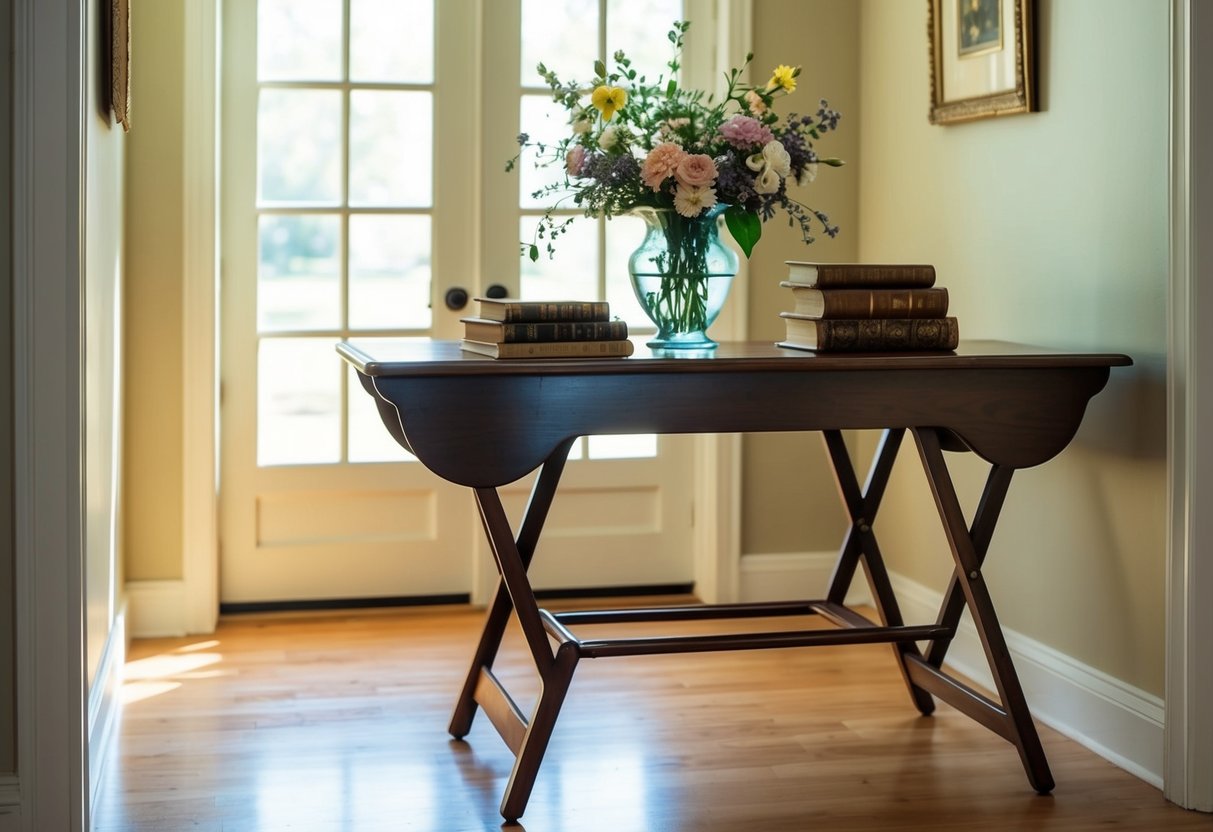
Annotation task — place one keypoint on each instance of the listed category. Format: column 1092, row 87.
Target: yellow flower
column 608, row 100
column 784, row 77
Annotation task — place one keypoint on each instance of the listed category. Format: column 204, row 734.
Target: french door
column 363, row 152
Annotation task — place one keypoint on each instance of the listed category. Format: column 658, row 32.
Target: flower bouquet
column 681, row 160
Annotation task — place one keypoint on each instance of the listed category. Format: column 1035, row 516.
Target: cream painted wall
column 104, row 148
column 1047, row 228
column 8, row 714
column 789, row 500
column 153, row 447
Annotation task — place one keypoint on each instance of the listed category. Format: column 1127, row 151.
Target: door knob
column 496, row 291
column 456, row 298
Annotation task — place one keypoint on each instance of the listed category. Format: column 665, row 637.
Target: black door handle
column 496, row 291
column 456, row 298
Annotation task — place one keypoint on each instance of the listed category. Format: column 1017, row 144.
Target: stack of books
column 858, row 307
column 512, row 328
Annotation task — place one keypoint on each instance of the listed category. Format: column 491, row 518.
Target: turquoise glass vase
column 681, row 274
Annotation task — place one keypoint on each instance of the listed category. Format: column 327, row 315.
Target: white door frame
column 48, row 230
column 199, row 333
column 1188, row 730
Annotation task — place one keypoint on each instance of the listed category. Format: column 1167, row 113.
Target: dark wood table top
column 483, row 422
column 426, row 357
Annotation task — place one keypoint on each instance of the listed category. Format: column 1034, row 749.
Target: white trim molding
column 105, row 702
column 200, row 340
column 1189, row 675
column 157, row 609
column 48, row 229
column 790, row 576
column 1117, row 721
column 716, row 538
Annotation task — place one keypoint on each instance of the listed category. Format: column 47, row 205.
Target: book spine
column 564, row 349
column 876, row 335
column 572, row 311
column 852, row 275
column 884, row 303
column 564, row 331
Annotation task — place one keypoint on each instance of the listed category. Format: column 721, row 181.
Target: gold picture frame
column 981, row 59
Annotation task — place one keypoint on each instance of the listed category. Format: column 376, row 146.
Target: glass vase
column 681, row 274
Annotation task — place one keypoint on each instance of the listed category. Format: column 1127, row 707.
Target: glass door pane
column 344, row 203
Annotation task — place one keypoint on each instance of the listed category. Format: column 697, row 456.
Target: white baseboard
column 10, row 804
column 1119, row 722
column 105, row 702
column 156, row 609
column 792, row 576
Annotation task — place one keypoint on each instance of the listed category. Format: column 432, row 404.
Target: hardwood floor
column 339, row 723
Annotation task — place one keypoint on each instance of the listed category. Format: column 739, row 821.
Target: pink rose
column 661, row 163
column 696, row 171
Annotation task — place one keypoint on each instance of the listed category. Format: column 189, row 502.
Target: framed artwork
column 981, row 59
column 120, row 61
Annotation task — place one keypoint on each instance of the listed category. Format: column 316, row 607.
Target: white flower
column 609, row 137
column 581, row 126
column 777, row 157
column 808, row 174
column 767, row 181
column 772, row 165
column 690, row 201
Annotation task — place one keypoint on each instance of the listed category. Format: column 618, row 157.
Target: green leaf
column 745, row 227
column 600, row 69
column 534, row 253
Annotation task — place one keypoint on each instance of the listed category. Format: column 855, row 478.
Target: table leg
column 527, row 738
column 981, row 532
column 498, row 615
column 860, row 546
column 1012, row 719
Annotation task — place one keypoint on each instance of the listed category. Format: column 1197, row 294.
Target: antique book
column 499, row 332
column 868, row 303
column 551, row 349
column 870, row 334
column 512, row 310
column 853, row 275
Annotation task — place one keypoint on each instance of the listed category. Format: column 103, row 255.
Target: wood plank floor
column 339, row 723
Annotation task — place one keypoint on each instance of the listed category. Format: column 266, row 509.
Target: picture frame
column 982, row 59
column 120, row 62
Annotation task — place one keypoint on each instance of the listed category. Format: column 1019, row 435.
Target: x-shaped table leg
column 1011, row 719
column 924, row 675
column 499, row 609
column 860, row 546
column 526, row 738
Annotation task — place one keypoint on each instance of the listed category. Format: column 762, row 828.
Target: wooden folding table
column 484, row 423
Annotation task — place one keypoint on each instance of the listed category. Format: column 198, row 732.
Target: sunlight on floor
column 159, row 674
